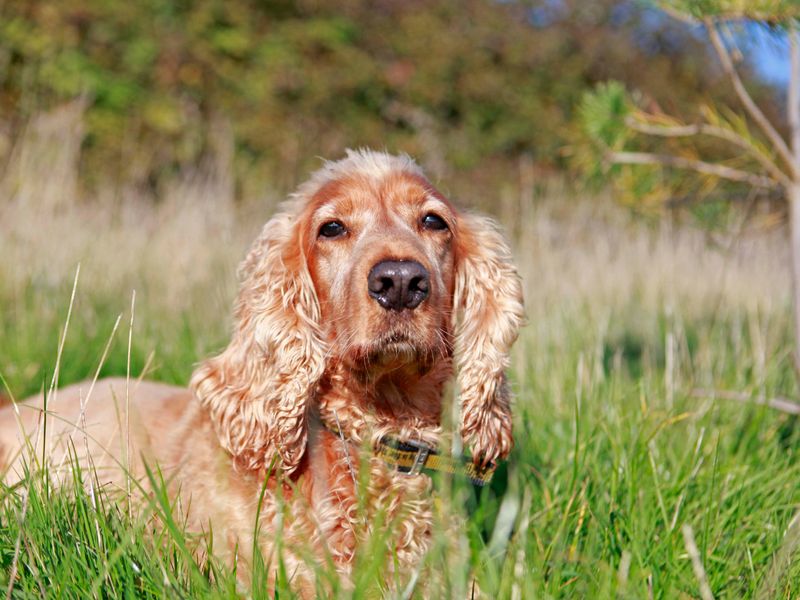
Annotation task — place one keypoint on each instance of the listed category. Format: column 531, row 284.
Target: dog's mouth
column 394, row 348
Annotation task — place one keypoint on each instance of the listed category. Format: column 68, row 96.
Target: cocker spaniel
column 358, row 302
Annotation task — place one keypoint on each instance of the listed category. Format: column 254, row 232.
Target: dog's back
column 91, row 422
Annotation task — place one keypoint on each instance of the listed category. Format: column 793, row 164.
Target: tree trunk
column 793, row 113
column 794, row 236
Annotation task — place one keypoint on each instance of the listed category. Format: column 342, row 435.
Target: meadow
column 648, row 461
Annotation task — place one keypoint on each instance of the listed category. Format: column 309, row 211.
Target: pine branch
column 699, row 166
column 712, row 131
column 744, row 96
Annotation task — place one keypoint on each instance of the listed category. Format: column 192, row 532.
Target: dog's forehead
column 391, row 193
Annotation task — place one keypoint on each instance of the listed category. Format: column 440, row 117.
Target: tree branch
column 712, row 131
column 731, row 197
column 771, row 18
column 778, row 403
column 744, row 96
column 699, row 166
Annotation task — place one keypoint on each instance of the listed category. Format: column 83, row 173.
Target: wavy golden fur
column 313, row 351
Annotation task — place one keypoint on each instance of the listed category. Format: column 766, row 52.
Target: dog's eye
column 332, row 229
column 434, row 222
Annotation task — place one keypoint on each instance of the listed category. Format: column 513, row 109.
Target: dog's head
column 367, row 265
column 380, row 251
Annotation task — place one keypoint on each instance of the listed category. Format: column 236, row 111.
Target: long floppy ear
column 488, row 296
column 258, row 390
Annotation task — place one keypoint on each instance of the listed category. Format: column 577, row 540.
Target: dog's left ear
column 488, row 299
column 258, row 390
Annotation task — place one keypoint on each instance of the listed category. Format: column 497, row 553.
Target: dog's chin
column 395, row 354
column 390, row 352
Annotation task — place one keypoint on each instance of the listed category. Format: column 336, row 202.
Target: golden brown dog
column 358, row 302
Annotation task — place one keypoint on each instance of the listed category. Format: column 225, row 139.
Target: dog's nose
column 398, row 284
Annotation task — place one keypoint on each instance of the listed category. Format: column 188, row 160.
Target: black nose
column 398, row 284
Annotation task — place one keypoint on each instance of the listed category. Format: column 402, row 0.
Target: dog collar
column 413, row 457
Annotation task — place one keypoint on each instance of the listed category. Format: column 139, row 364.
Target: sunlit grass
column 610, row 463
column 616, row 450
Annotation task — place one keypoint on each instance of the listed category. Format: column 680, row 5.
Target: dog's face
column 369, row 268
column 381, row 256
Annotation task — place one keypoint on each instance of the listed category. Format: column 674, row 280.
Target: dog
column 359, row 301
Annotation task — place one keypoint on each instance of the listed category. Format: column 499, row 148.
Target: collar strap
column 411, row 458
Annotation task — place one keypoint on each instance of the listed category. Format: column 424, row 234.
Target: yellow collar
column 411, row 458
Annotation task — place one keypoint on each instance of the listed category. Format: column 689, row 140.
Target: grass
column 623, row 483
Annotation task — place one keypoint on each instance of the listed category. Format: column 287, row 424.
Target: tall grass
column 619, row 454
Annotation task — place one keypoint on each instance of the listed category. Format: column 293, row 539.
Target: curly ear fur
column 488, row 295
column 258, row 389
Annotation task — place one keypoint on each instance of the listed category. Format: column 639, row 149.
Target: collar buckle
column 408, row 457
column 422, row 450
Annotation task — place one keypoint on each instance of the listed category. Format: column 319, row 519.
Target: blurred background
column 255, row 91
column 147, row 142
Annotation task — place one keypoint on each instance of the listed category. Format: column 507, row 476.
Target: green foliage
column 603, row 112
column 453, row 82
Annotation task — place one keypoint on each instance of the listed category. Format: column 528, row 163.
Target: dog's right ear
column 488, row 300
column 258, row 389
